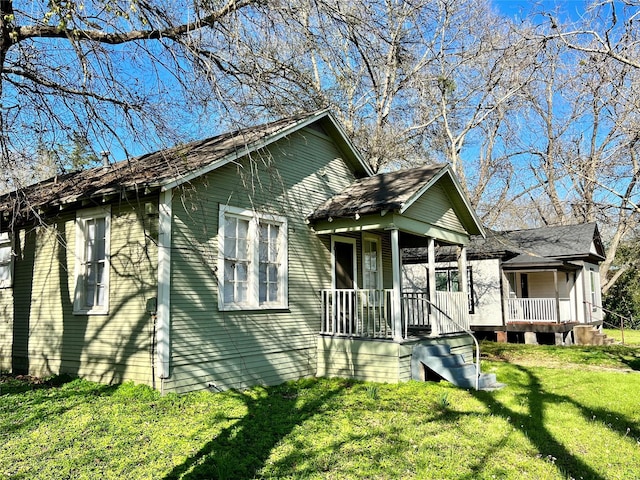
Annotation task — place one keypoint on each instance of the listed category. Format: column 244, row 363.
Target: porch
column 369, row 326
column 540, row 310
column 544, row 296
column 376, row 314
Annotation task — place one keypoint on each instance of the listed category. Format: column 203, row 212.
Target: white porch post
column 431, row 258
column 396, row 262
column 555, row 284
column 462, row 269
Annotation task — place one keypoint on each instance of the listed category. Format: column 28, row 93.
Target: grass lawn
column 631, row 337
column 566, row 412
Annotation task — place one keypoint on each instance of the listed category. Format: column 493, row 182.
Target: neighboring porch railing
column 539, row 310
column 369, row 313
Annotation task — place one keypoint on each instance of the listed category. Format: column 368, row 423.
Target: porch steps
column 435, row 362
column 589, row 335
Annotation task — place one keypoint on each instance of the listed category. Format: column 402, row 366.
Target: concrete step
column 448, row 366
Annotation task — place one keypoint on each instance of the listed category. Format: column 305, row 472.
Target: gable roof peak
column 168, row 168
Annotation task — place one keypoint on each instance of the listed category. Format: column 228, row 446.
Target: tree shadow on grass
column 242, row 449
column 533, row 423
column 48, row 397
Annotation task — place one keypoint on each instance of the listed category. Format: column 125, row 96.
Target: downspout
column 163, row 347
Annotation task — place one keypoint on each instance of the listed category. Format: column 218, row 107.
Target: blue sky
column 518, row 9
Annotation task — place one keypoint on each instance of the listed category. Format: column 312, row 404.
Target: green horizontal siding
column 363, row 360
column 434, row 207
column 48, row 338
column 238, row 348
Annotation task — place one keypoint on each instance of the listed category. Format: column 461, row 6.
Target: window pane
column 273, row 273
column 100, row 239
column 273, row 242
column 90, row 240
column 229, row 283
column 90, row 285
column 455, row 284
column 262, row 280
column 268, row 266
column 442, row 281
column 5, row 254
column 370, row 264
column 273, row 291
column 230, row 237
column 101, row 294
column 241, row 273
column 263, row 244
column 242, row 236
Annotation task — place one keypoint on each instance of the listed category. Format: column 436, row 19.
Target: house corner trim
column 163, row 346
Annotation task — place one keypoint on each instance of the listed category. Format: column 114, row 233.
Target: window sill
column 90, row 312
column 253, row 308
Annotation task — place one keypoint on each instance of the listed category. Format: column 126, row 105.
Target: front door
column 344, row 281
column 344, row 263
column 524, row 285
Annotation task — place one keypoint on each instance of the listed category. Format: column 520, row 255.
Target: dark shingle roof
column 557, row 241
column 539, row 246
column 384, row 191
column 145, row 172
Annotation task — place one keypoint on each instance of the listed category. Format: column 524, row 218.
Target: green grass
column 631, row 337
column 552, row 421
column 572, row 357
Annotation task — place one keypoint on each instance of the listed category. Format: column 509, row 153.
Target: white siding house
column 533, row 285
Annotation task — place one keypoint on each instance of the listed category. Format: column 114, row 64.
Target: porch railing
column 369, row 313
column 415, row 310
column 452, row 314
column 539, row 310
column 358, row 313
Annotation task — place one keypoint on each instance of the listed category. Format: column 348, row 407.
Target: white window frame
column 6, row 244
column 82, row 217
column 371, row 238
column 352, row 241
column 254, row 219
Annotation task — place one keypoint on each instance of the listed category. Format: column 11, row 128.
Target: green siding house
column 255, row 257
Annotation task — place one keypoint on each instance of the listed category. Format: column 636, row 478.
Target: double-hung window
column 252, row 260
column 92, row 261
column 6, row 261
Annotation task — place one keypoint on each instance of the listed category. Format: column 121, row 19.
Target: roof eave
column 267, row 140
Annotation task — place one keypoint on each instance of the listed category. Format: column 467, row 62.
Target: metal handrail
column 466, row 330
column 621, row 317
